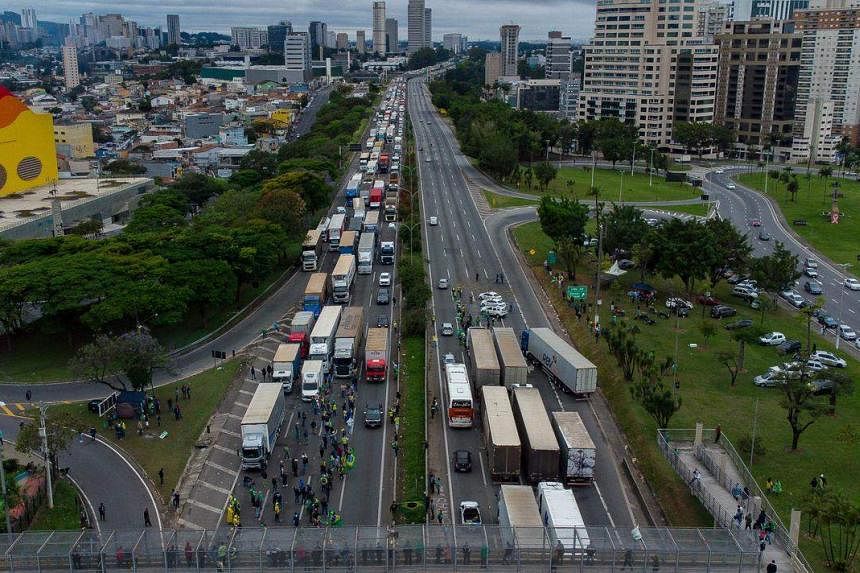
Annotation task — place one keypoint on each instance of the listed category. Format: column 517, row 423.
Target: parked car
column 773, row 377
column 813, row 287
column 811, row 263
column 846, row 332
column 675, row 302
column 827, row 321
column 626, row 264
column 707, row 300
column 743, row 323
column 722, row 311
column 489, row 295
column 469, row 513
column 815, row 365
column 756, row 222
column 383, row 296
column 852, row 284
column 789, row 347
column 745, row 292
column 434, row 221
column 828, row 359
column 772, row 338
column 447, row 329
column 462, row 461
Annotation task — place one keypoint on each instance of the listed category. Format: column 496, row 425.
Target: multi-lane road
column 461, row 249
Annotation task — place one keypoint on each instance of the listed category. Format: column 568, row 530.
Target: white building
column 360, row 41
column 70, row 66
column 247, row 38
column 28, row 18
column 379, row 27
column 453, row 43
column 297, row 57
column 510, row 36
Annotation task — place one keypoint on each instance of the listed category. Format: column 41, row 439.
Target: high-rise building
column 331, row 39
column 277, row 34
column 28, row 18
column 492, row 68
column 510, row 35
column 417, row 33
column 568, row 101
column 392, row 43
column 247, row 38
column 558, row 62
column 710, row 19
column 297, row 57
column 173, row 37
column 743, row 10
column 317, row 31
column 379, row 27
column 342, row 41
column 428, row 28
column 361, row 42
column 757, row 81
column 453, row 43
column 828, row 87
column 70, row 66
column 652, row 73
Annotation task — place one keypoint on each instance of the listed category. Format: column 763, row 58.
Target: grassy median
column 576, row 182
column 412, row 471
column 66, row 512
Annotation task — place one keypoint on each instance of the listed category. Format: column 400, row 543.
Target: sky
column 478, row 19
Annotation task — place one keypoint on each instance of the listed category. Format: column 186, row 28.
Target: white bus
column 461, row 406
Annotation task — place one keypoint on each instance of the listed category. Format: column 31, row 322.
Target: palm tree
column 792, row 187
column 826, row 172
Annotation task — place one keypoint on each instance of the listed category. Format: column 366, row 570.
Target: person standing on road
column 101, row 512
column 146, row 521
column 161, row 476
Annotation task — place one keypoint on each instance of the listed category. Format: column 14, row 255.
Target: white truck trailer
column 561, row 362
column 578, row 453
column 261, row 424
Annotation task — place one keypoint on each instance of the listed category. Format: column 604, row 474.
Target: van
column 312, row 377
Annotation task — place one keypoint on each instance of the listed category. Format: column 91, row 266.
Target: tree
column 624, row 227
column 732, row 249
column 545, row 172
column 309, row 186
column 684, row 249
column 198, row 188
column 776, row 271
column 564, row 222
column 708, row 330
column 121, row 167
column 139, row 355
column 843, row 385
column 59, row 435
column 283, row 207
column 802, row 406
column 837, row 518
column 266, row 164
column 657, row 400
column 744, row 336
column 732, row 361
column 622, row 345
column 97, row 361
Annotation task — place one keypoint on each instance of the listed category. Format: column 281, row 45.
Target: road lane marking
column 213, row 487
column 603, row 502
column 202, row 505
column 219, row 467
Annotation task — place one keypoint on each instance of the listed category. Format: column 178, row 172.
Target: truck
column 392, row 200
column 311, row 250
column 364, row 192
column 376, row 193
column 312, row 379
column 393, row 181
column 483, row 363
column 384, row 162
column 286, row 365
column 300, row 330
column 540, row 448
column 353, row 185
column 387, row 246
column 561, row 517
column 347, row 341
column 376, row 355
column 261, row 424
column 514, row 369
column 563, row 365
column 335, row 229
column 520, row 523
column 322, row 336
column 347, row 242
column 578, row 454
column 356, row 220
column 316, row 293
column 366, row 245
column 341, row 279
column 371, row 221
column 504, row 450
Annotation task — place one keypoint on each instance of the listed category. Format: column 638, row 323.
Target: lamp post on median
column 651, row 169
column 43, row 433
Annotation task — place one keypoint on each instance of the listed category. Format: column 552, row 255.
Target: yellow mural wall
column 27, row 154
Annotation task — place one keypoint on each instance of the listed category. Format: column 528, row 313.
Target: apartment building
column 558, row 60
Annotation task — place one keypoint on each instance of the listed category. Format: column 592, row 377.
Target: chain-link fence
column 359, row 548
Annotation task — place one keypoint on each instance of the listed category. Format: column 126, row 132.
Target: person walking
column 146, row 521
column 696, row 479
column 771, row 567
column 161, row 476
column 101, row 512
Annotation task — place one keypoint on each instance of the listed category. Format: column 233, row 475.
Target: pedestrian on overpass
column 146, row 521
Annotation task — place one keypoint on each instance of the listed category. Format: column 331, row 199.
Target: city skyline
column 448, row 17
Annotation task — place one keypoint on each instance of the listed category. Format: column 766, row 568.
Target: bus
column 461, row 407
column 311, row 250
column 316, row 293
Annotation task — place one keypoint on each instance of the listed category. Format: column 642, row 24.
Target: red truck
column 376, row 194
column 376, row 354
column 300, row 331
column 384, row 163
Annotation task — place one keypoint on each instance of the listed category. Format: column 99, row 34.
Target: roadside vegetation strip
column 497, row 201
column 151, row 451
column 707, row 395
column 812, row 204
column 411, row 457
column 66, row 512
column 576, row 181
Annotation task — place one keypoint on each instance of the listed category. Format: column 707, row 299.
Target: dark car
column 827, row 321
column 707, row 300
column 462, row 461
column 382, row 321
column 743, row 323
column 722, row 311
column 373, row 416
column 821, row 386
column 626, row 264
column 763, row 235
column 812, row 287
column 789, row 347
column 383, row 296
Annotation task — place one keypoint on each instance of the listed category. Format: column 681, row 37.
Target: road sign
column 551, row 257
column 577, row 292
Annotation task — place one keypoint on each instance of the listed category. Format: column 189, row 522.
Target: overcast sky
column 478, row 19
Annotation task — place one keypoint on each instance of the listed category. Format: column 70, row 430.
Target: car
column 827, row 321
column 384, row 279
column 738, row 324
column 427, row 159
column 675, row 302
column 821, row 386
column 496, row 310
column 852, row 284
column 626, row 264
column 756, row 222
column 722, row 311
column 443, row 283
column 763, row 235
column 373, row 415
column 815, row 365
column 720, row 171
column 813, row 287
column 447, row 329
column 774, row 376
column 382, row 321
column 434, row 221
column 341, row 210
column 462, row 461
column 731, row 186
column 652, row 222
column 793, row 298
column 449, row 358
column 772, row 338
column 828, row 359
column 811, row 263
column 469, row 513
column 789, row 347
column 810, row 272
column 489, row 295
column 383, row 296
column 707, row 300
column 846, row 332
column 744, row 291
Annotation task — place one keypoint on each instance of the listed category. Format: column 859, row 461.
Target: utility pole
column 43, row 433
column 651, row 170
column 5, row 499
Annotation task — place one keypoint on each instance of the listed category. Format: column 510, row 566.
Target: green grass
column 29, row 363
column 635, row 187
column 497, row 201
column 171, row 453
column 838, row 242
column 707, row 396
column 66, row 512
column 412, row 472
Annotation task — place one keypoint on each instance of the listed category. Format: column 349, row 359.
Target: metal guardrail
column 727, row 481
column 407, row 548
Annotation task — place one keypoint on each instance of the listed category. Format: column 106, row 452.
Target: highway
column 461, row 249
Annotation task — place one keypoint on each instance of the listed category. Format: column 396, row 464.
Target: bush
column 413, row 322
column 745, row 445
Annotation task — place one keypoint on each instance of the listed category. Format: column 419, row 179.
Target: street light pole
column 43, row 433
column 621, row 187
column 651, row 170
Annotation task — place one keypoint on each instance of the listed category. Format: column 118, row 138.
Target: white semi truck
column 261, row 424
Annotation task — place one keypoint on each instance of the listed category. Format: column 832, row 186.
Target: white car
column 341, row 210
column 496, row 310
column 443, row 283
column 489, row 295
column 720, row 171
column 793, row 298
column 731, row 186
column 384, row 279
column 852, row 284
column 811, row 272
column 772, row 339
column 678, row 303
column 846, row 332
column 828, row 359
column 447, row 329
column 811, row 263
column 815, row 365
column 469, row 513
column 449, row 359
column 434, row 221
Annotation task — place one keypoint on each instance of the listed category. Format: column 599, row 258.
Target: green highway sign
column 577, row 292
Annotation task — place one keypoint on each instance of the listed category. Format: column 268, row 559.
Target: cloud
column 478, row 19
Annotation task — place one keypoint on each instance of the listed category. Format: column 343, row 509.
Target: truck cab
column 312, row 378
